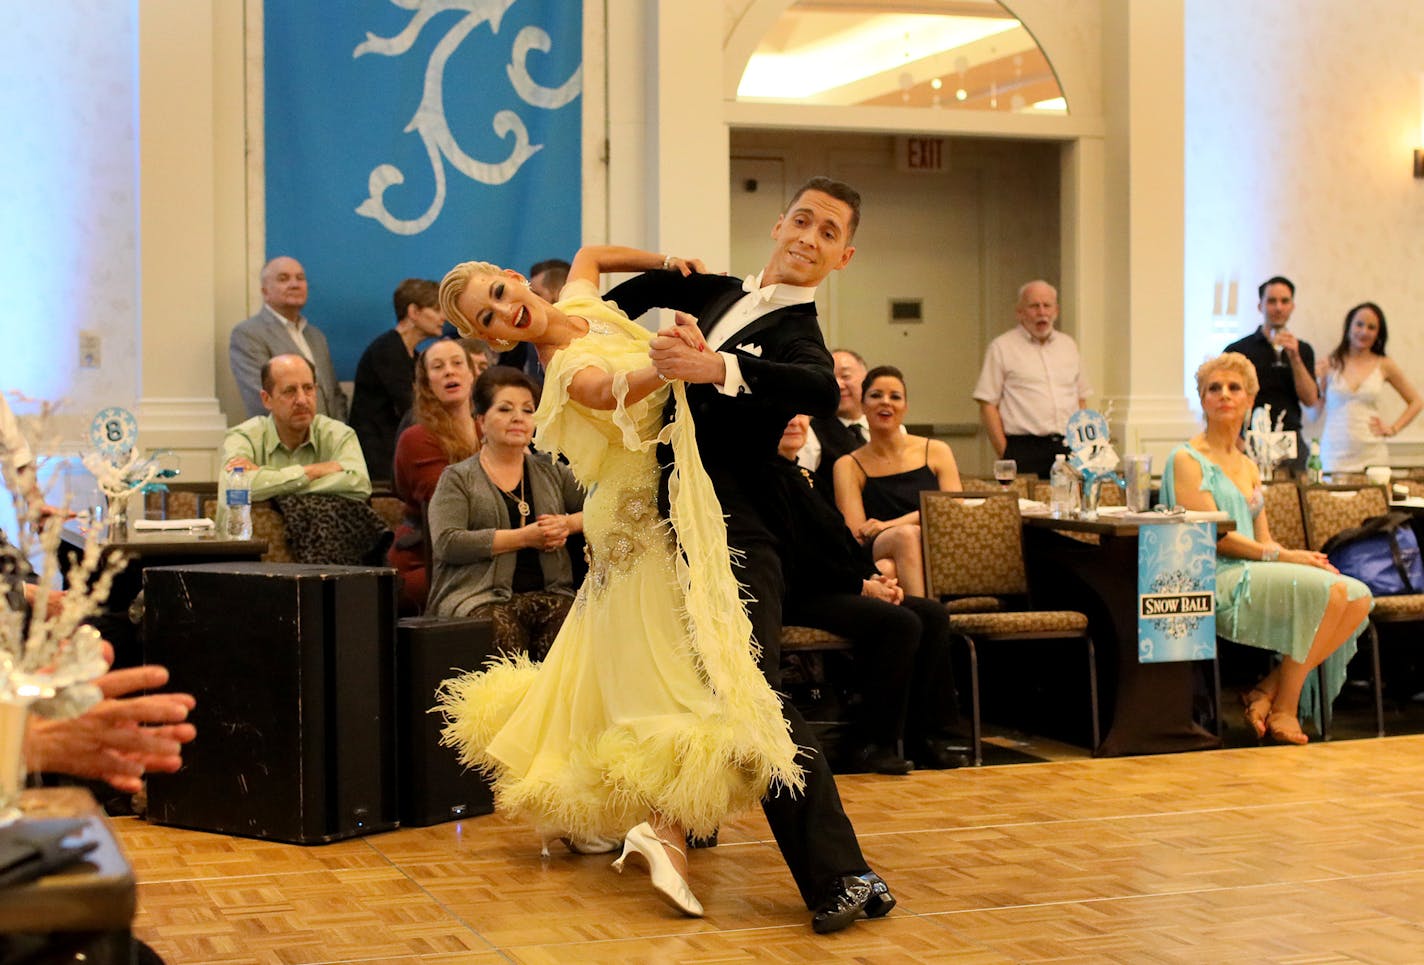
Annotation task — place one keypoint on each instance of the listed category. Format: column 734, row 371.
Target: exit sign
column 921, row 154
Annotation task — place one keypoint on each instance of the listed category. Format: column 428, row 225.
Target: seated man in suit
column 280, row 328
column 830, row 437
column 900, row 644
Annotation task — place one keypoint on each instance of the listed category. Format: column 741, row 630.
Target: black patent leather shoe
column 940, row 755
column 845, row 903
column 881, row 901
column 879, row 759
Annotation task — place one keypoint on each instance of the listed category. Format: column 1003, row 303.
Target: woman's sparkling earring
column 500, row 344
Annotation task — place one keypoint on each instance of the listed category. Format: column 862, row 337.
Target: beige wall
column 1340, row 94
column 1302, row 116
column 961, row 241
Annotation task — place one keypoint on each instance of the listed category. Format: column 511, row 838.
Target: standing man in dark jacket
column 755, row 359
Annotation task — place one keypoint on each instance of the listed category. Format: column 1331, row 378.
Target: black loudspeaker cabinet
column 434, row 787
column 293, row 669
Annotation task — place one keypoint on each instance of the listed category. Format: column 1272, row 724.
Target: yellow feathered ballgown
column 650, row 699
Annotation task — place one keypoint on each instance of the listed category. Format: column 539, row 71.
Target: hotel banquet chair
column 1329, row 509
column 973, row 546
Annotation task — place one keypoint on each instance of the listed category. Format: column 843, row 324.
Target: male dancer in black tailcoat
column 755, row 359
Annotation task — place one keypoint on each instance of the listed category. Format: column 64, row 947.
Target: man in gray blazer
column 281, row 329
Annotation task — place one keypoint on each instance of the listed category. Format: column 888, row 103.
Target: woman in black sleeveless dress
column 878, row 486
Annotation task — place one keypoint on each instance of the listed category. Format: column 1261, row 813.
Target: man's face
column 849, row 376
column 1276, row 306
column 812, row 240
column 284, row 284
column 292, row 400
column 548, row 283
column 1037, row 310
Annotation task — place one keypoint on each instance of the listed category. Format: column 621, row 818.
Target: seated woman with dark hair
column 878, row 486
column 443, row 433
column 1291, row 601
column 499, row 521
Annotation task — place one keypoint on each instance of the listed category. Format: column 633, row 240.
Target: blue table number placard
column 1176, row 592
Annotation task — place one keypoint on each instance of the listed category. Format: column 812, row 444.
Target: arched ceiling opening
column 928, row 54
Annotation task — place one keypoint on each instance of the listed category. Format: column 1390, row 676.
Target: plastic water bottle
column 1060, row 482
column 239, row 505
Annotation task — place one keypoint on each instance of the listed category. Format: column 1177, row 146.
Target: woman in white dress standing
column 1352, row 380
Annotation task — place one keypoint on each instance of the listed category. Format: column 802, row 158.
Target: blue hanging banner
column 404, row 136
column 1176, row 592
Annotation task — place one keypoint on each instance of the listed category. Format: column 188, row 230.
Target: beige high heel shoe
column 669, row 884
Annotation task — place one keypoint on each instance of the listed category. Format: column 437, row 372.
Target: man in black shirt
column 1285, row 365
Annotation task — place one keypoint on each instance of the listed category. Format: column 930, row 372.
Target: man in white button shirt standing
column 281, row 329
column 1032, row 381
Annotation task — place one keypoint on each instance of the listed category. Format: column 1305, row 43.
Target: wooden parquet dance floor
column 1278, row 854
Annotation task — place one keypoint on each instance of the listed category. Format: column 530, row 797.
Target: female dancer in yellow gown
column 649, row 712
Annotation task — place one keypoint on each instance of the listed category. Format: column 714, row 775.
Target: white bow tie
column 759, row 294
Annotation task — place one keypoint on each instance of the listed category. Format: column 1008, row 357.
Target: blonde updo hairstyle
column 1233, row 362
column 453, row 285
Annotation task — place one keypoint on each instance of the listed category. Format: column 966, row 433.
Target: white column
column 1145, row 221
column 178, row 407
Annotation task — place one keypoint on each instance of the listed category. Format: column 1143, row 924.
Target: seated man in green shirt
column 292, row 450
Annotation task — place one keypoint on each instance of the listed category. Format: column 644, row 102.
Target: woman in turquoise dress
column 1290, row 601
column 649, row 718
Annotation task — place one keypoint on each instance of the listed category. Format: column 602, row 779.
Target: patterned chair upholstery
column 1328, row 510
column 973, row 546
column 267, row 524
column 1331, row 508
column 1283, row 514
column 389, row 507
column 804, row 639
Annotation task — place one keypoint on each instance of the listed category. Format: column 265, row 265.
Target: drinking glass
column 1005, row 470
column 1280, row 362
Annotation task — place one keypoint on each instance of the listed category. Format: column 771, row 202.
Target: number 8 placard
column 113, row 431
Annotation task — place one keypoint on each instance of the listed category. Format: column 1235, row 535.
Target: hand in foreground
column 247, row 464
column 881, row 587
column 1308, row 558
column 685, row 328
column 551, row 531
column 679, row 352
column 871, row 528
column 688, row 266
column 121, row 737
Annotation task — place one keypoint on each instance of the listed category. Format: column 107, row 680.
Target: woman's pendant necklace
column 520, row 503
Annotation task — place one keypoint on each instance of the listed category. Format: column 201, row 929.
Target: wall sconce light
column 1419, row 162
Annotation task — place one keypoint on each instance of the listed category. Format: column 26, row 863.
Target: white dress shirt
column 757, row 301
column 1036, row 385
column 294, row 329
column 809, row 455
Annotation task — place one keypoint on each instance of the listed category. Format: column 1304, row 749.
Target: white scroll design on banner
column 429, row 120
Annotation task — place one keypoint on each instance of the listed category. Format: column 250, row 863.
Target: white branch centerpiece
column 49, row 659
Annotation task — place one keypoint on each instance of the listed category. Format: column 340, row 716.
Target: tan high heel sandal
column 1256, row 706
column 1284, row 728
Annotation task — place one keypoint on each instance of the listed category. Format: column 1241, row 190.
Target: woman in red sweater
column 444, row 433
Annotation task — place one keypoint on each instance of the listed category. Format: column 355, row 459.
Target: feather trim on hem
column 694, row 771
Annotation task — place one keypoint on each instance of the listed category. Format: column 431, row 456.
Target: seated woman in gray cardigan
column 499, row 521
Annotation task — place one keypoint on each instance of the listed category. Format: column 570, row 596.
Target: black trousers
column 902, row 660
column 811, row 828
column 1034, row 454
